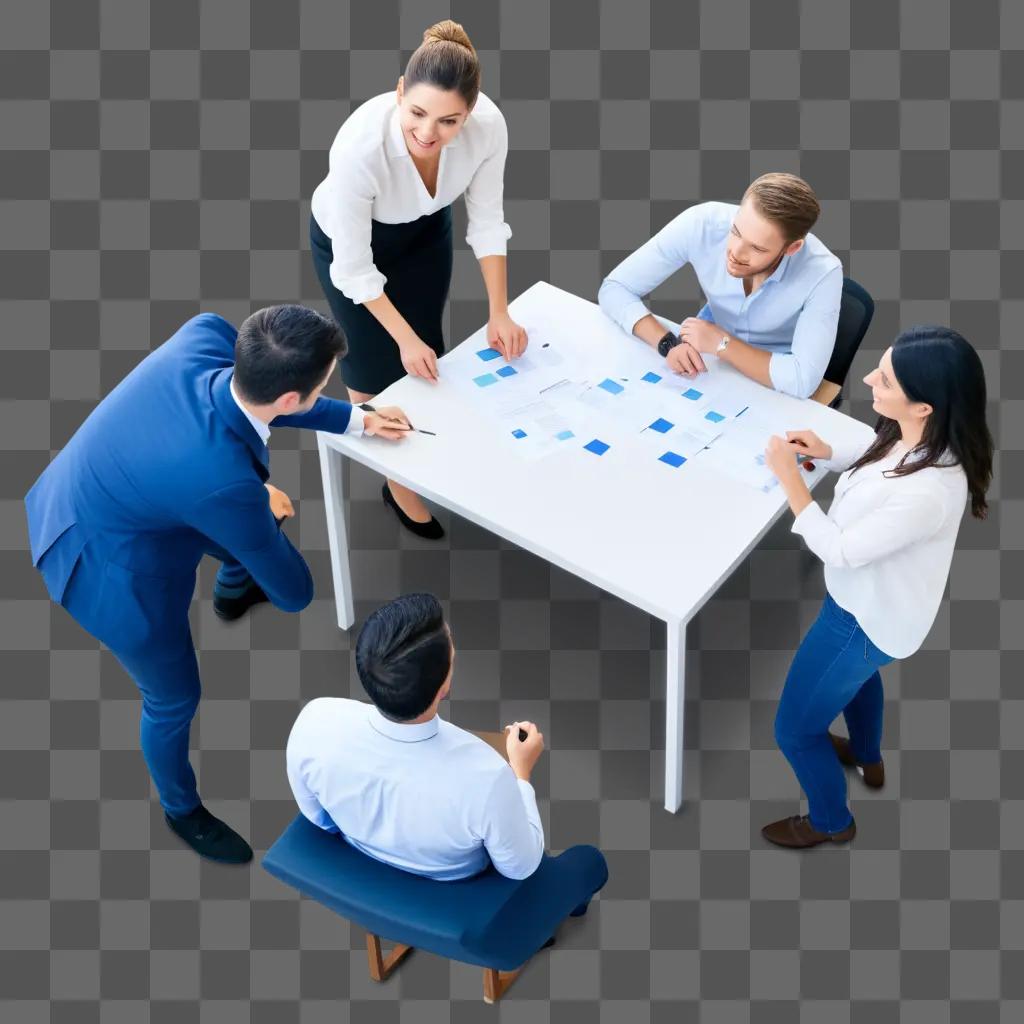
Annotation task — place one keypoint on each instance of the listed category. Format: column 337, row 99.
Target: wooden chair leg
column 496, row 983
column 381, row 967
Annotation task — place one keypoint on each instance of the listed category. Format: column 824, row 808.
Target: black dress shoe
column 210, row 837
column 234, row 607
column 432, row 530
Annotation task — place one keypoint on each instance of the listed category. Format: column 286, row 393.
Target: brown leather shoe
column 798, row 833
column 872, row 774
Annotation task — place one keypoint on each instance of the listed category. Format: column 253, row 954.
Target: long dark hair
column 937, row 366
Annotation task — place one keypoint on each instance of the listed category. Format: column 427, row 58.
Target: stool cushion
column 488, row 920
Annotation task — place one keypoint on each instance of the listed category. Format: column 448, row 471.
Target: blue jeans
column 835, row 669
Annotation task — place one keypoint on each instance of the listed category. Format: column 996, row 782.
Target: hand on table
column 808, row 443
column 506, row 336
column 780, row 457
column 280, row 503
column 389, row 422
column 419, row 360
column 685, row 359
column 703, row 335
column 523, row 754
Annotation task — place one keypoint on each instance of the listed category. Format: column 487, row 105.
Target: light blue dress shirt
column 430, row 798
column 793, row 315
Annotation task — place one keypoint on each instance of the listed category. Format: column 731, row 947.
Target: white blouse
column 887, row 544
column 371, row 176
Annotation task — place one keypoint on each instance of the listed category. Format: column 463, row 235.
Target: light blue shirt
column 428, row 798
column 793, row 315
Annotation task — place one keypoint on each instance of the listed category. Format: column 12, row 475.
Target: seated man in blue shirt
column 773, row 290
column 410, row 789
column 399, row 782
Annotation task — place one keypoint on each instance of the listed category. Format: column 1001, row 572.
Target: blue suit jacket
column 165, row 469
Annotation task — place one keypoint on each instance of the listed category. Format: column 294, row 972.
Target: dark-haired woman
column 887, row 544
column 381, row 225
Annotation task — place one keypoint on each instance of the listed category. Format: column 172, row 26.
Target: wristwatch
column 668, row 342
column 723, row 344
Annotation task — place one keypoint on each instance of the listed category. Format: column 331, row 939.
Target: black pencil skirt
column 416, row 258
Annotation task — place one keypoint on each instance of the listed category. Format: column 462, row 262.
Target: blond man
column 772, row 288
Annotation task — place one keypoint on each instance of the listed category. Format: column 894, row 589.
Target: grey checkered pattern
column 157, row 160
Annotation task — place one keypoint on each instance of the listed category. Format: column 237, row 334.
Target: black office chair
column 855, row 312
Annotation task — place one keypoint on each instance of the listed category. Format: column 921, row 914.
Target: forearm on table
column 494, row 270
column 750, row 361
column 650, row 329
column 387, row 315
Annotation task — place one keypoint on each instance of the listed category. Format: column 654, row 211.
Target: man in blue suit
column 170, row 466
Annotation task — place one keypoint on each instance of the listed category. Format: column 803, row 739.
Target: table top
column 661, row 539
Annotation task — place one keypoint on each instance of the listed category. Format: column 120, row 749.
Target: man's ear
column 794, row 247
column 287, row 403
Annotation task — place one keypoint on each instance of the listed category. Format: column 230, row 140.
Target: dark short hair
column 404, row 654
column 284, row 348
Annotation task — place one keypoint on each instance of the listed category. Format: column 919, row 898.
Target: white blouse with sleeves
column 371, row 176
column 887, row 544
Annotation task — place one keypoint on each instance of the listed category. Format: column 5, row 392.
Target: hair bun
column 448, row 31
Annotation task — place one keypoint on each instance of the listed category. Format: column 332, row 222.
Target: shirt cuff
column 529, row 795
column 360, row 288
column 632, row 315
column 356, row 422
column 808, row 520
column 489, row 241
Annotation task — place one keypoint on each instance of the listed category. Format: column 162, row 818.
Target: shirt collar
column 258, row 425
column 402, row 731
column 780, row 270
column 396, row 140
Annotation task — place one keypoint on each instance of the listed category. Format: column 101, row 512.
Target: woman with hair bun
column 381, row 225
column 887, row 543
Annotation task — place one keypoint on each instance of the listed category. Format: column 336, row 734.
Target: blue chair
column 856, row 311
column 488, row 920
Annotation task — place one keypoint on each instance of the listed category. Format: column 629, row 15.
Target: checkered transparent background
column 156, row 160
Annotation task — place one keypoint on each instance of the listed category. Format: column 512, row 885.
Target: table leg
column 332, row 469
column 675, row 704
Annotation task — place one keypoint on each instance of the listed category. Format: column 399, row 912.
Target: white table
column 562, row 507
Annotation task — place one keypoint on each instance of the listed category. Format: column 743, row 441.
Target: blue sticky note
column 506, row 371
column 519, row 434
column 671, row 459
column 693, row 394
column 564, row 435
column 485, row 380
column 661, row 426
column 597, row 447
column 715, row 417
column 610, row 386
column 651, row 378
column 487, row 354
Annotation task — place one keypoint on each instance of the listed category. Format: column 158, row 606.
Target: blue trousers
column 144, row 622
column 834, row 670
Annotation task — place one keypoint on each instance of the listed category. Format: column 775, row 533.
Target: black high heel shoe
column 431, row 530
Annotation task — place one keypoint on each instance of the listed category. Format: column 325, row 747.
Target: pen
column 366, row 407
